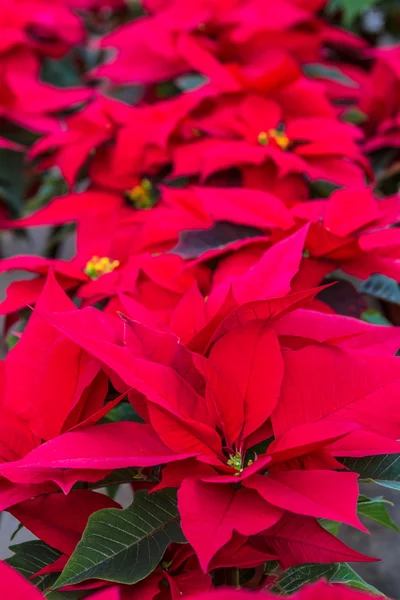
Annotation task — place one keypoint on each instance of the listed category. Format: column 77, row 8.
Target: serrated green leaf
column 378, row 468
column 31, row 557
column 317, row 71
column 382, row 287
column 375, row 510
column 125, row 546
column 295, row 577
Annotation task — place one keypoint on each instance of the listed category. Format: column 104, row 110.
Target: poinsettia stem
column 236, row 578
column 229, row 576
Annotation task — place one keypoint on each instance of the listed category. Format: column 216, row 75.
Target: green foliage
column 375, row 317
column 61, row 72
column 295, row 577
column 194, row 243
column 12, row 180
column 350, row 9
column 382, row 288
column 375, row 510
column 331, row 526
column 317, row 71
column 31, row 557
column 125, row 545
column 384, row 470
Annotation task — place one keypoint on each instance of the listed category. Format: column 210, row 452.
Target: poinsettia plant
column 200, row 367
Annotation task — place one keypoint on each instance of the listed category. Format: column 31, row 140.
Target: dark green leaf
column 188, row 83
column 193, row 244
column 321, row 188
column 317, row 71
column 16, row 532
column 12, row 180
column 31, row 557
column 375, row 317
column 351, row 9
column 375, row 509
column 295, row 577
column 61, row 72
column 345, row 574
column 382, row 287
column 125, row 545
column 118, row 477
column 384, row 469
column 354, row 115
column 124, row 411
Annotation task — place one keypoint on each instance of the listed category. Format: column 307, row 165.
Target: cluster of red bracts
column 248, row 389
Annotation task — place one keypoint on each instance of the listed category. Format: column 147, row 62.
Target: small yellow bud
column 263, row 138
column 98, row 266
column 141, row 195
column 280, row 138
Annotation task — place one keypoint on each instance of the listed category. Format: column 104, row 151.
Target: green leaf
column 61, row 72
column 345, row 574
column 125, row 545
column 351, row 9
column 187, row 83
column 375, row 317
column 317, row 71
column 31, row 557
column 12, row 180
column 375, row 509
column 124, row 411
column 384, row 469
column 331, row 526
column 392, row 485
column 381, row 287
column 321, row 188
column 194, row 243
column 295, row 577
column 118, row 477
column 354, row 115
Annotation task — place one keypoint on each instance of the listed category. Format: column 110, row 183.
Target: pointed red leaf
column 322, row 494
column 250, row 357
column 298, row 540
column 210, row 514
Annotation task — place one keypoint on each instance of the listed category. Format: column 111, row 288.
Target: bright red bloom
column 46, row 26
column 253, row 130
column 230, row 421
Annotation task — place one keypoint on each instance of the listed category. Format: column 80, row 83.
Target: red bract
column 205, row 171
column 230, row 420
column 253, row 130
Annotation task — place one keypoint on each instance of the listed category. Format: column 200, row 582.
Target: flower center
column 279, row 137
column 141, row 195
column 98, row 266
column 236, row 461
